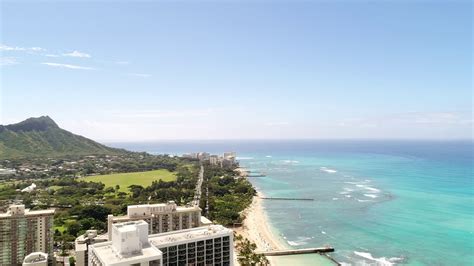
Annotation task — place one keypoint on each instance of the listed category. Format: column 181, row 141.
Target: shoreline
column 256, row 228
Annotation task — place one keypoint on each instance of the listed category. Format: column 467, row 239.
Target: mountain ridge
column 41, row 136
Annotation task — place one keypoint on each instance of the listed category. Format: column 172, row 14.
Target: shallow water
column 376, row 202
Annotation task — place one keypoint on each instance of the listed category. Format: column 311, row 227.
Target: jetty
column 279, row 198
column 297, row 251
column 250, row 173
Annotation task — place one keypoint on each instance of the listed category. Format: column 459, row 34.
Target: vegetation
column 86, row 181
column 246, row 252
column 123, row 181
column 228, row 194
column 84, row 203
column 41, row 136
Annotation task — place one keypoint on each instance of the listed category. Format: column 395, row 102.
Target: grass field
column 124, row 180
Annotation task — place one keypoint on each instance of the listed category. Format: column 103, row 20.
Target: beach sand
column 255, row 227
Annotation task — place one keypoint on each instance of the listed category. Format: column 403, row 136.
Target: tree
column 246, row 250
column 73, row 228
column 72, row 261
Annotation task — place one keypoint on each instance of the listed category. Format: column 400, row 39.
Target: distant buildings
column 131, row 245
column 214, row 160
column 163, row 217
column 227, row 160
column 23, row 232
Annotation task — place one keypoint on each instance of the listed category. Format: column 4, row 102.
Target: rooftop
column 19, row 210
column 197, row 233
column 109, row 255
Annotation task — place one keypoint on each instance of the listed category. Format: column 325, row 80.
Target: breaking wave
column 327, row 170
column 383, row 261
column 301, row 240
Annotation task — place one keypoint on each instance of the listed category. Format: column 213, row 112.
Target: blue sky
column 142, row 70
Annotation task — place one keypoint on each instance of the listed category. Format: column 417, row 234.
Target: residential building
column 214, row 160
column 230, row 155
column 23, row 232
column 163, row 217
column 209, row 245
column 204, row 156
column 36, row 259
column 82, row 245
column 129, row 247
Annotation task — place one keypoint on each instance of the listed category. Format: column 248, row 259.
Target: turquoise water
column 377, row 203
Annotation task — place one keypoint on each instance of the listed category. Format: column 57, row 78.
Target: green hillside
column 43, row 137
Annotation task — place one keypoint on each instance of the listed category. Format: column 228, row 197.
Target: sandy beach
column 255, row 227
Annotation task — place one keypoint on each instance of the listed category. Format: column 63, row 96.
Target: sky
column 161, row 70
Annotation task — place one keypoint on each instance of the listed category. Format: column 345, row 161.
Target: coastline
column 256, row 228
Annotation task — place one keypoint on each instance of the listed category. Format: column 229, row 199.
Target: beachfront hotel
column 131, row 245
column 207, row 245
column 163, row 217
column 23, row 232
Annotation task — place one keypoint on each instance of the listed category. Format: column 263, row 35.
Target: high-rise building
column 82, row 243
column 131, row 245
column 207, row 245
column 163, row 217
column 23, row 232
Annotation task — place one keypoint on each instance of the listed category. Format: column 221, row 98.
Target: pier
column 278, row 198
column 297, row 251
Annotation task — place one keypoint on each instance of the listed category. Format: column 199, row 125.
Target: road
column 197, row 192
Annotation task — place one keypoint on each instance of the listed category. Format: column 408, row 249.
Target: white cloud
column 77, row 54
column 140, row 75
column 122, row 62
column 67, row 66
column 51, row 55
column 8, row 61
column 4, row 47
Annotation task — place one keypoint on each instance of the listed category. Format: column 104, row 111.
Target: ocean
column 376, row 202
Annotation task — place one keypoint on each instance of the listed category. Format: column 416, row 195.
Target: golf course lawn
column 124, row 180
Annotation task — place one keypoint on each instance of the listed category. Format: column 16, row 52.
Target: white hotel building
column 131, row 246
column 163, row 217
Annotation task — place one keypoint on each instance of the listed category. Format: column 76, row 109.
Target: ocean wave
column 348, row 196
column 268, row 156
column 301, row 240
column 335, row 198
column 322, row 232
column 368, row 188
column 371, row 196
column 290, row 162
column 383, row 261
column 360, row 200
column 244, row 158
column 327, row 170
column 353, row 183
